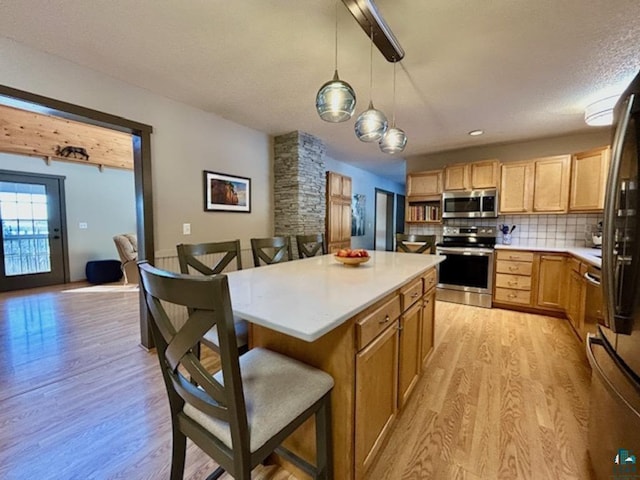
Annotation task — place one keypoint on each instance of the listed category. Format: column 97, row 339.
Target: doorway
column 383, row 220
column 33, row 230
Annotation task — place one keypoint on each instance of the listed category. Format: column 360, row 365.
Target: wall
column 510, row 152
column 104, row 200
column 185, row 142
column 364, row 183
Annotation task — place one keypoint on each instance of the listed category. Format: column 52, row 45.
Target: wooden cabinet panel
column 575, row 301
column 334, row 184
column 551, row 184
column 410, row 360
column 517, row 282
column 346, row 187
column 515, row 256
column 410, row 293
column 516, row 187
column 377, row 321
column 376, row 396
column 588, row 179
column 345, row 222
column 513, row 268
column 430, row 279
column 456, row 177
column 424, row 183
column 485, row 174
column 338, row 222
column 504, row 295
column 428, row 317
column 335, row 222
column 551, row 270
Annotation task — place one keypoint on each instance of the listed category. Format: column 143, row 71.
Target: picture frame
column 226, row 193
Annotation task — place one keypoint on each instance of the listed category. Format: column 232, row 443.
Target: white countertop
column 589, row 255
column 308, row 298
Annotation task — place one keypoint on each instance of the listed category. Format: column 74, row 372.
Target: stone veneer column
column 299, row 185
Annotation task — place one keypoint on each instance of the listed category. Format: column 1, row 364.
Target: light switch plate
column 186, row 229
column 83, row 225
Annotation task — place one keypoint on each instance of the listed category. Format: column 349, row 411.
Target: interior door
column 383, row 220
column 33, row 234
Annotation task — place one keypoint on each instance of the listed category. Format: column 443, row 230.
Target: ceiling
column 518, row 69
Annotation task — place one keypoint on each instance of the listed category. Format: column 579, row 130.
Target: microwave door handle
column 609, row 268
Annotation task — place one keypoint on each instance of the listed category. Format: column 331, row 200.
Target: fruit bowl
column 352, row 258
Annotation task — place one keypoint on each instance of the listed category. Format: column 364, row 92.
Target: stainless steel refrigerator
column 614, row 351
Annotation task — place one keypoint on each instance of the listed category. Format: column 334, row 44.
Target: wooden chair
column 187, row 257
column 281, row 247
column 310, row 245
column 241, row 414
column 428, row 243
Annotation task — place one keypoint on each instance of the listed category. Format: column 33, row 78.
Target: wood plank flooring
column 505, row 396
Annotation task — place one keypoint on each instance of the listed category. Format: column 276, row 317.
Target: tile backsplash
column 572, row 230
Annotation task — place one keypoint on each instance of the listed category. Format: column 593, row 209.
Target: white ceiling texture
column 518, row 69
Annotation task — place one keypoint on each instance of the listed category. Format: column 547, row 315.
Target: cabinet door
column 575, row 301
column 588, row 178
column 346, row 188
column 551, row 184
column 551, row 269
column 428, row 317
column 334, row 184
column 516, row 187
column 335, row 222
column 424, row 183
column 345, row 223
column 485, row 174
column 376, row 396
column 456, row 177
column 410, row 343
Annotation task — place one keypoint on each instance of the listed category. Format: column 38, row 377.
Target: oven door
column 466, row 269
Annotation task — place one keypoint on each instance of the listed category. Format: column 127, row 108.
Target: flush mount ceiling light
column 336, row 100
column 394, row 140
column 475, row 133
column 600, row 112
column 366, row 14
column 372, row 123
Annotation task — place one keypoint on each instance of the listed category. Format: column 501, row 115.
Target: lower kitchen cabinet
column 376, row 395
column 550, row 291
column 428, row 317
column 410, row 358
column 576, row 289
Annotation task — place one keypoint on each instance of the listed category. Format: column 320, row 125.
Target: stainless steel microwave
column 471, row 204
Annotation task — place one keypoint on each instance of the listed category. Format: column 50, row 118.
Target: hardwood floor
column 505, row 395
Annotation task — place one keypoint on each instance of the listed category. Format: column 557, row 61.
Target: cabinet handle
column 386, row 320
column 399, row 328
column 512, row 283
column 513, row 269
column 414, row 295
column 512, row 295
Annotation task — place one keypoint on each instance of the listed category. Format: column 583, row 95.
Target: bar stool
column 428, row 242
column 280, row 246
column 241, row 414
column 311, row 245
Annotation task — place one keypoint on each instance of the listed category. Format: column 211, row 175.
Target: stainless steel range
column 466, row 276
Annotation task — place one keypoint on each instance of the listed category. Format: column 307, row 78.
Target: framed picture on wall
column 226, row 193
column 358, row 215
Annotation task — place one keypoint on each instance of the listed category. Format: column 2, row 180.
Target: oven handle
column 478, row 252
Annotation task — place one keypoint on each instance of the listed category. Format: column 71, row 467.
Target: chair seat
column 242, row 335
column 276, row 389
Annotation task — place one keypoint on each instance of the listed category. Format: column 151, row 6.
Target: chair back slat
column 208, row 302
column 311, row 245
column 281, row 247
column 187, row 254
column 428, row 242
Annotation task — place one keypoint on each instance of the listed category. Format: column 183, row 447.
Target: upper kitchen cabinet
column 485, row 174
column 588, row 179
column 516, row 187
column 551, row 184
column 472, row 176
column 339, row 185
column 456, row 177
column 424, row 184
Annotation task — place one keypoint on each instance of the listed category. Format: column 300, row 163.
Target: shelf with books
column 424, row 211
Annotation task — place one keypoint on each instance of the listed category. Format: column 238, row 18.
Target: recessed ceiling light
column 600, row 113
column 475, row 133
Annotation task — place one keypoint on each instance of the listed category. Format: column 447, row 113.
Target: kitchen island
column 370, row 327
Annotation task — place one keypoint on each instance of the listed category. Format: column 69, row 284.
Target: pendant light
column 336, row 100
column 394, row 140
column 372, row 123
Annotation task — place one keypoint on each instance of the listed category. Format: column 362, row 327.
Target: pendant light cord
column 371, row 70
column 393, row 117
column 336, row 53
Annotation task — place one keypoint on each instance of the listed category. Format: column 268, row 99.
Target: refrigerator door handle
column 594, row 340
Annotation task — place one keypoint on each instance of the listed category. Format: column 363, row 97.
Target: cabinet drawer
column 506, row 295
column 513, row 268
column 516, row 282
column 515, row 256
column 411, row 293
column 430, row 279
column 378, row 320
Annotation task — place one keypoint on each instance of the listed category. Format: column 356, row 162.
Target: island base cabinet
column 409, row 367
column 428, row 317
column 376, row 394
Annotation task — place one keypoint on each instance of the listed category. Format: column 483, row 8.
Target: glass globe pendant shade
column 371, row 125
column 336, row 100
column 393, row 141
